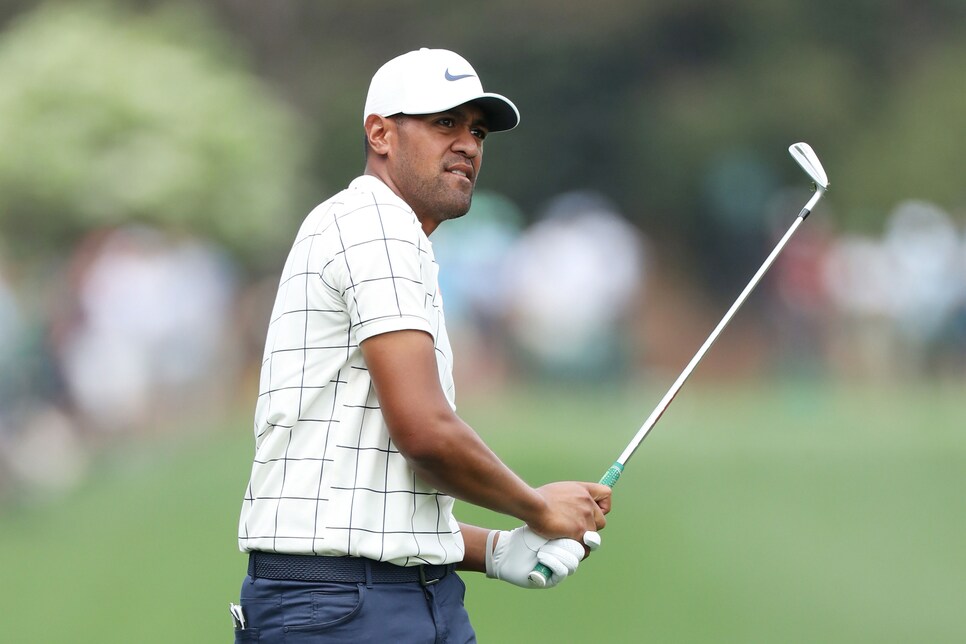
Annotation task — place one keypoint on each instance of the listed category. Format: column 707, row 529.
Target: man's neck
column 428, row 224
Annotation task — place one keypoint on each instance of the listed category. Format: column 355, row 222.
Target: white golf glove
column 519, row 550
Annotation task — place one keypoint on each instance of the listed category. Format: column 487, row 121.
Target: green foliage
column 911, row 147
column 638, row 99
column 107, row 116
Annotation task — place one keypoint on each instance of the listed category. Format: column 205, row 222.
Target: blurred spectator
column 11, row 329
column 924, row 250
column 39, row 450
column 859, row 279
column 898, row 297
column 954, row 359
column 736, row 187
column 801, row 307
column 573, row 277
column 28, row 377
column 474, row 281
column 147, row 337
column 44, row 455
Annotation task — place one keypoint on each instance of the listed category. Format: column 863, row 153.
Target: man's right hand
column 572, row 508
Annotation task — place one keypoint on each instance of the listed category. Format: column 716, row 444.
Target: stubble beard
column 436, row 200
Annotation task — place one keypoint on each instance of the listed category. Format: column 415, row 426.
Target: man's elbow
column 425, row 444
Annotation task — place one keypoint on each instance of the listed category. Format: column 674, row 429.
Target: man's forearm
column 445, row 452
column 457, row 462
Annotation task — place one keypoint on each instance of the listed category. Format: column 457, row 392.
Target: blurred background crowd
column 157, row 157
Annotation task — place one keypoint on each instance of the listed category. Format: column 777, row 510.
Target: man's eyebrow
column 463, row 115
column 478, row 121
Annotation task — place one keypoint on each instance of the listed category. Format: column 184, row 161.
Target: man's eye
column 446, row 122
column 480, row 134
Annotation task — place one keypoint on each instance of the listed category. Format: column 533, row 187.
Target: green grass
column 752, row 514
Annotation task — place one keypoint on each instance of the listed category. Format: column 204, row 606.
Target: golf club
column 805, row 157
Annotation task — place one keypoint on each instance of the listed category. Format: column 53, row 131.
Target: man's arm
column 446, row 453
column 474, row 540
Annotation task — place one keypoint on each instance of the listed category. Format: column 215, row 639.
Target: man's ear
column 379, row 133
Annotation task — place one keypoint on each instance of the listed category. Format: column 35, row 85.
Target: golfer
column 359, row 454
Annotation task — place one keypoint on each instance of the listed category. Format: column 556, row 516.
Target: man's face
column 436, row 161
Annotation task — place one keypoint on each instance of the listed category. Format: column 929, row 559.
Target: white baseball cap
column 434, row 80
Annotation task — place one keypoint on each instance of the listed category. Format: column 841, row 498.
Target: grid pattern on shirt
column 326, row 478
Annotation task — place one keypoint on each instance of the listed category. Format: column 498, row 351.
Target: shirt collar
column 384, row 193
column 372, row 183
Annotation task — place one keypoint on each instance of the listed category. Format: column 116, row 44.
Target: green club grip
column 610, row 476
column 540, row 574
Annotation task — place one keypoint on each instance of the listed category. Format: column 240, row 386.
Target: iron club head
column 806, row 157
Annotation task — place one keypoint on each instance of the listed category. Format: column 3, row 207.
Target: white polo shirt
column 326, row 478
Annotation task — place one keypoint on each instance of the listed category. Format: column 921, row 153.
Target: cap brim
column 501, row 114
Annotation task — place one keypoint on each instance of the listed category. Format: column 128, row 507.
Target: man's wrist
column 474, row 554
column 491, row 540
column 535, row 508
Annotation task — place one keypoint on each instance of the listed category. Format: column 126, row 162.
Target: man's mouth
column 462, row 171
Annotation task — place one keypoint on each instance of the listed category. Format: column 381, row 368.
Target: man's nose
column 467, row 143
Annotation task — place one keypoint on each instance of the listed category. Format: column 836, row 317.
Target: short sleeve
column 384, row 260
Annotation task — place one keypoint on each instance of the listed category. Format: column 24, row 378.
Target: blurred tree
column 911, row 144
column 640, row 101
column 108, row 116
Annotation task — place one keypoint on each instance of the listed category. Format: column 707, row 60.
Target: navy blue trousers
column 297, row 612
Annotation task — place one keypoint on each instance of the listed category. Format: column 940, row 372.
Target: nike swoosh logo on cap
column 451, row 77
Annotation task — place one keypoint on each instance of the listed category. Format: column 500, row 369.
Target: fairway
column 795, row 513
